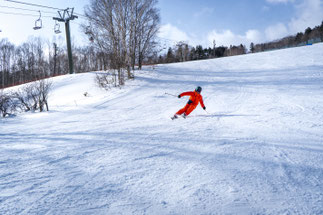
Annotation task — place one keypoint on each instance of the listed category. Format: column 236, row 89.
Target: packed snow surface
column 257, row 150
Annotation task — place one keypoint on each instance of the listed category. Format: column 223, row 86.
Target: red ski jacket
column 195, row 98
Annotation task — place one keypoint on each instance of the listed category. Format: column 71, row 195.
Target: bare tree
column 107, row 21
column 182, row 51
column 43, row 88
column 124, row 30
column 6, row 52
column 148, row 26
column 6, row 104
column 34, row 96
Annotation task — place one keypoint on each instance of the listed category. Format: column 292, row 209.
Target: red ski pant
column 187, row 109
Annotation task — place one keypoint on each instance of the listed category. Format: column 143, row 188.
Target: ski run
column 258, row 150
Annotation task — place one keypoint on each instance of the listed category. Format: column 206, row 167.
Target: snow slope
column 259, row 150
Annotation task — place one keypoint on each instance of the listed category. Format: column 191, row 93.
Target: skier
column 194, row 100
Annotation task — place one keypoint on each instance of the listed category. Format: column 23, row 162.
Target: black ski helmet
column 198, row 89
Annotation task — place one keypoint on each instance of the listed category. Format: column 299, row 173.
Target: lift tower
column 65, row 16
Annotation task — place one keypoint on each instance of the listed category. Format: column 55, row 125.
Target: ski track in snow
column 258, row 151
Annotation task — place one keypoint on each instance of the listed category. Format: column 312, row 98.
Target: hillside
column 258, row 150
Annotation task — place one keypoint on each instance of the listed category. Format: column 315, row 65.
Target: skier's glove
column 179, row 96
column 204, row 108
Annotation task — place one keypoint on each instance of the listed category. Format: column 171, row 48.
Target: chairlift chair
column 57, row 28
column 38, row 23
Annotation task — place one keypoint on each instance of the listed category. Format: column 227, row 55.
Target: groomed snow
column 259, row 150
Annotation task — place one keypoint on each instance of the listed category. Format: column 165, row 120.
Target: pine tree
column 170, row 56
column 193, row 54
column 200, row 52
column 252, row 47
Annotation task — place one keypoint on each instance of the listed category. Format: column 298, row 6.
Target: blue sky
column 232, row 22
column 239, row 15
column 228, row 22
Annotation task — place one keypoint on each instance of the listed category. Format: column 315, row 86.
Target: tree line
column 308, row 37
column 182, row 51
column 37, row 59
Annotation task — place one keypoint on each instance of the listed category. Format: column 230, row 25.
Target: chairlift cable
column 80, row 15
column 23, row 14
column 43, row 6
column 17, row 8
column 34, row 5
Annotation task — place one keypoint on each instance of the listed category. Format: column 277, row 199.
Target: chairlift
column 57, row 28
column 38, row 23
column 88, row 32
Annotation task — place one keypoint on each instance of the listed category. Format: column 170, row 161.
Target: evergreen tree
column 299, row 37
column 307, row 34
column 193, row 55
column 252, row 47
column 186, row 53
column 170, row 56
column 200, row 52
column 219, row 52
column 308, row 30
column 214, row 51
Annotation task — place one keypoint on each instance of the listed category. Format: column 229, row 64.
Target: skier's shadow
column 223, row 115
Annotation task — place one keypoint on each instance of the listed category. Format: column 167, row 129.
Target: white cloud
column 276, row 32
column 227, row 37
column 310, row 14
column 172, row 33
column 253, row 36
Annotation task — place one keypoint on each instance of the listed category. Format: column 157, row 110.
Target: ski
column 176, row 116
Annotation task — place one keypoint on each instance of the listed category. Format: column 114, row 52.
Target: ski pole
column 207, row 112
column 171, row 94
